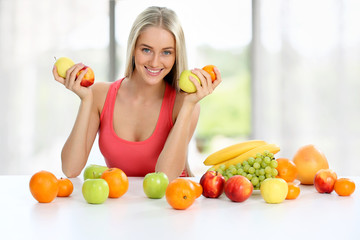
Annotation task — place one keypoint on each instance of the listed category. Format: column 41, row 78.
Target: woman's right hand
column 72, row 82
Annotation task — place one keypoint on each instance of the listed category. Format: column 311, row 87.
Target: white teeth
column 153, row 71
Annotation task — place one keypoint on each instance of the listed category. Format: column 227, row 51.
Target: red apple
column 324, row 180
column 213, row 184
column 88, row 78
column 238, row 188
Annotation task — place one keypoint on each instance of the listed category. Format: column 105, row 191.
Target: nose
column 155, row 60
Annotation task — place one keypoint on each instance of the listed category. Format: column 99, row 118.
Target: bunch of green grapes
column 256, row 169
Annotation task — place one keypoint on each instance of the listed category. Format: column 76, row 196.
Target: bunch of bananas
column 239, row 153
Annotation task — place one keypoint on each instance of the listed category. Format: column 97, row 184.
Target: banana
column 273, row 148
column 232, row 151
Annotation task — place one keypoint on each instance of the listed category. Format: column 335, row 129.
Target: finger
column 201, row 77
column 71, row 74
column 80, row 77
column 218, row 79
column 56, row 76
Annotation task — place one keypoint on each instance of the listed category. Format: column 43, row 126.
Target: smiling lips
column 153, row 72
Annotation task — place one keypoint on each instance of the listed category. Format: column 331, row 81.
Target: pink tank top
column 134, row 158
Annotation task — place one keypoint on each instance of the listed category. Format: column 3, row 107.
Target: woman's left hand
column 206, row 87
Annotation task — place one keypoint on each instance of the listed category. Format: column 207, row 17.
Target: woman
column 144, row 122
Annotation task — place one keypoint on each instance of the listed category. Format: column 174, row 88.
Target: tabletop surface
column 134, row 216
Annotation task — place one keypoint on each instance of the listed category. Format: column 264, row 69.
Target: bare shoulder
column 100, row 90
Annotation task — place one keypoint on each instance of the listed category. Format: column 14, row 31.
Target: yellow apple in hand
column 62, row 65
column 184, row 82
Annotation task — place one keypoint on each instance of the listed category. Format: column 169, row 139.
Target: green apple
column 95, row 191
column 94, row 171
column 184, row 82
column 62, row 65
column 274, row 190
column 155, row 184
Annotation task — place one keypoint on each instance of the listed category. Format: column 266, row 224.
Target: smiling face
column 154, row 55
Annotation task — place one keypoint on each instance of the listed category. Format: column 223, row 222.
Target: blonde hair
column 168, row 20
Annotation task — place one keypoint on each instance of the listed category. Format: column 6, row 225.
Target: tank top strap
column 169, row 100
column 110, row 98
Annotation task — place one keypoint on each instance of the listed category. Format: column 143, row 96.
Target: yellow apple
column 184, row 82
column 62, row 65
column 274, row 190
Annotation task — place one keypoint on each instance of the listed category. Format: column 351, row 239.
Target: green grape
column 257, row 172
column 240, row 171
column 256, row 165
column 266, row 153
column 249, row 176
column 226, row 178
column 268, row 169
column 220, row 171
column 258, row 155
column 244, row 163
column 254, row 181
column 233, row 170
column 258, row 160
column 211, row 169
column 267, row 160
column 262, row 178
column 274, row 172
column 264, row 165
column 251, row 170
column 268, row 175
column 273, row 163
column 251, row 161
column 262, row 171
column 229, row 175
column 244, row 174
column 238, row 165
column 256, row 188
column 231, row 167
column 258, row 185
column 246, row 168
column 271, row 155
column 222, row 167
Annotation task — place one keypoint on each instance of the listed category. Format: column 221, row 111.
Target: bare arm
column 173, row 157
column 77, row 148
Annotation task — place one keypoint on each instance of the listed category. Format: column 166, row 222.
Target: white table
column 133, row 216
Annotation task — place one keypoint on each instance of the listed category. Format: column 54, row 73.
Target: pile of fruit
column 236, row 171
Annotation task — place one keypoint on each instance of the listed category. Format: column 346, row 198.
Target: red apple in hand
column 88, row 78
column 324, row 180
column 213, row 184
column 238, row 188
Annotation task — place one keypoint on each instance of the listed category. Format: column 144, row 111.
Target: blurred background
column 290, row 71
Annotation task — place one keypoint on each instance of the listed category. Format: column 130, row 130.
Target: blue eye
column 167, row 53
column 146, row 50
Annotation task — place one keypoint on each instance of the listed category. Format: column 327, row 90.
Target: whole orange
column 309, row 160
column 293, row 191
column 117, row 180
column 344, row 186
column 198, row 188
column 286, row 169
column 65, row 187
column 44, row 186
column 210, row 70
column 180, row 193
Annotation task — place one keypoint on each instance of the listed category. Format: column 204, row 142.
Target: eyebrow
column 145, row 45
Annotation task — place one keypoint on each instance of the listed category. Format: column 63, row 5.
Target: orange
column 309, row 160
column 65, row 187
column 117, row 180
column 286, row 169
column 210, row 70
column 44, row 186
column 180, row 193
column 198, row 188
column 293, row 191
column 344, row 186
